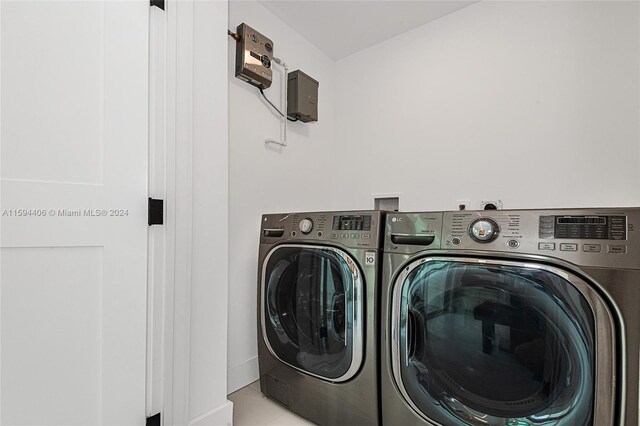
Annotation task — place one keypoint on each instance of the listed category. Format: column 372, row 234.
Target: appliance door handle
column 413, row 239
column 335, row 309
column 273, row 232
column 410, row 344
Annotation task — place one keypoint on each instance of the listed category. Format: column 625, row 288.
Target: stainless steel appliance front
column 510, row 317
column 317, row 304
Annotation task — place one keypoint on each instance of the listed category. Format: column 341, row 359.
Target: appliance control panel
column 583, row 227
column 470, row 229
column 352, row 222
column 352, row 229
column 594, row 237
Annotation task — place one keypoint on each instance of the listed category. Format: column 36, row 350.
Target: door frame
column 187, row 330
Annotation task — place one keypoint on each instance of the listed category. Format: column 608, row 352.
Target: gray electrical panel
column 254, row 53
column 302, row 97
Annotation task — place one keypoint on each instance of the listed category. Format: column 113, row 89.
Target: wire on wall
column 275, row 107
column 285, row 119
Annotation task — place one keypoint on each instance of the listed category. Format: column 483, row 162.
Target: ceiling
column 340, row 28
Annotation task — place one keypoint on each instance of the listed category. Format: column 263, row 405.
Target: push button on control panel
column 568, row 247
column 546, row 246
column 455, row 241
column 591, row 248
column 617, row 249
column 514, row 244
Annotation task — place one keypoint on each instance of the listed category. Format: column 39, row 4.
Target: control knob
column 484, row 230
column 306, row 225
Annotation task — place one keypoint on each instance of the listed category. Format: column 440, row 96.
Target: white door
column 73, row 236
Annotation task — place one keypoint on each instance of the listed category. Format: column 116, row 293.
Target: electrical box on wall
column 302, row 97
column 254, row 53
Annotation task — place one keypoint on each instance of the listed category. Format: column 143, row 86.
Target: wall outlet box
column 302, row 97
column 391, row 204
column 254, row 53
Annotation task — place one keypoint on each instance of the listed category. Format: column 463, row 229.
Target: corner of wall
column 238, row 375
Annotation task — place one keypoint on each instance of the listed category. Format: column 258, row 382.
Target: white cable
column 286, row 106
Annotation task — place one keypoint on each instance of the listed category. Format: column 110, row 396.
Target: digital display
column 583, row 220
column 584, row 227
column 352, row 223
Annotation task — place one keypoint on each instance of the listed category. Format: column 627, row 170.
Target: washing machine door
column 488, row 342
column 312, row 307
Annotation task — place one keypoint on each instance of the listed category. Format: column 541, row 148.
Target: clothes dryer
column 317, row 314
column 521, row 317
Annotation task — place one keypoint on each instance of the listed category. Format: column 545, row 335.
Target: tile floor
column 251, row 408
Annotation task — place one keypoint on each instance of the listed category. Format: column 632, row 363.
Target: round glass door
column 312, row 310
column 493, row 343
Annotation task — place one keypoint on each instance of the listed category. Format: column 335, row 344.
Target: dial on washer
column 306, row 225
column 484, row 230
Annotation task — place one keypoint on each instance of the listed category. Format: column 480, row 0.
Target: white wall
column 534, row 103
column 265, row 179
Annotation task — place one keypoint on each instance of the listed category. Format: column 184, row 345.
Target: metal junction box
column 254, row 53
column 302, row 97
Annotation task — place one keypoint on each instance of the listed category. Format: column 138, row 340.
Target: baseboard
column 221, row 416
column 242, row 374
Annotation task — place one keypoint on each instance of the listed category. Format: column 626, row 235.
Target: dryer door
column 312, row 307
column 488, row 342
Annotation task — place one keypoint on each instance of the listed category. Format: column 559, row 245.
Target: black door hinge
column 157, row 3
column 156, row 212
column 154, row 420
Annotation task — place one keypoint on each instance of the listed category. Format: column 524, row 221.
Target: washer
column 511, row 317
column 317, row 322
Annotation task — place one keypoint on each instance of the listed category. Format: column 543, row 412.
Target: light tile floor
column 251, row 408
